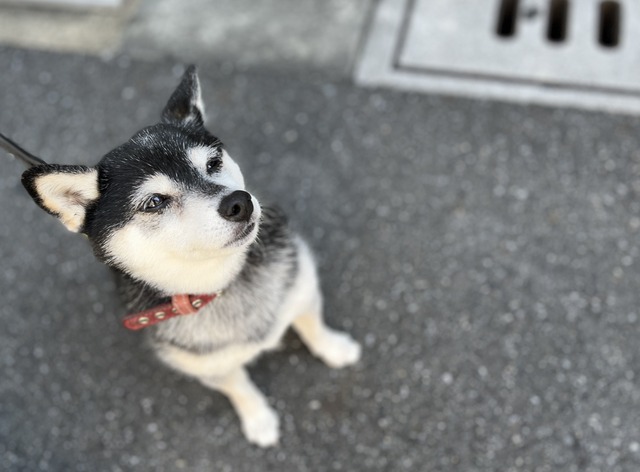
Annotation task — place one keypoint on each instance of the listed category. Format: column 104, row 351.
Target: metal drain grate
column 581, row 53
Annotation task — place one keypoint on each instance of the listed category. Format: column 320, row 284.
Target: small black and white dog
column 168, row 211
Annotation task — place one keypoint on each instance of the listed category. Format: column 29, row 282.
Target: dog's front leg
column 335, row 348
column 260, row 423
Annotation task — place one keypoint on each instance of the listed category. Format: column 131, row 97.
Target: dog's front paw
column 262, row 428
column 339, row 350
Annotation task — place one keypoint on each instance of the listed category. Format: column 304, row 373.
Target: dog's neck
column 172, row 276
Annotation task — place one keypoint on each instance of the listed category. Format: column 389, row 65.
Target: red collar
column 180, row 305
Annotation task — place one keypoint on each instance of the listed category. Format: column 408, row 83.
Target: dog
column 212, row 277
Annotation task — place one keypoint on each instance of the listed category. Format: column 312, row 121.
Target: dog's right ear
column 185, row 107
column 64, row 191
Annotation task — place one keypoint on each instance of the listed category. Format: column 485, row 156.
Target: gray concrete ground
column 485, row 254
column 291, row 34
column 44, row 27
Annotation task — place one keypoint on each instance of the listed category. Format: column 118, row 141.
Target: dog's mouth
column 247, row 231
column 242, row 236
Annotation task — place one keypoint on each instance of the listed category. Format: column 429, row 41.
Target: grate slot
column 507, row 16
column 609, row 30
column 557, row 24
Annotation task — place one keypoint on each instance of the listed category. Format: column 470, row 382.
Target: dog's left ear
column 185, row 107
column 64, row 191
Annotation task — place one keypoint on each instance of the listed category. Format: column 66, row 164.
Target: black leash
column 16, row 151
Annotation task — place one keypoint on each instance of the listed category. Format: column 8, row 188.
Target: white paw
column 262, row 428
column 339, row 350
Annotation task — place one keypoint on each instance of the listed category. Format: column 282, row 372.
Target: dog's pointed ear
column 64, row 191
column 185, row 107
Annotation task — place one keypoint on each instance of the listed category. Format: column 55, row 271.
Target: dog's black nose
column 236, row 206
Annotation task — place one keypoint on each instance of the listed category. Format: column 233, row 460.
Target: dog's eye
column 214, row 163
column 154, row 203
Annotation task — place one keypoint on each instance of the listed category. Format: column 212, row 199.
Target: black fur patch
column 159, row 149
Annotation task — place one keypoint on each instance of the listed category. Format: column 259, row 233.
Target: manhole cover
column 581, row 53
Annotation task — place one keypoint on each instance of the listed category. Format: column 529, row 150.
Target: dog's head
column 169, row 203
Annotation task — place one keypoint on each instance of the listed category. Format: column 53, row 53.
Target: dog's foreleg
column 335, row 348
column 260, row 423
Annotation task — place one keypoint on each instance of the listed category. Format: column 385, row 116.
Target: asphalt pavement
column 484, row 254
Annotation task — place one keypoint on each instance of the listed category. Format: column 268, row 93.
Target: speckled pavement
column 485, row 254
